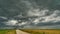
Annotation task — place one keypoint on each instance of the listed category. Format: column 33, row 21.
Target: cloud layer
column 33, row 13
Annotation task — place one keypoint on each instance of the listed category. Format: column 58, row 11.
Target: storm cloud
column 30, row 13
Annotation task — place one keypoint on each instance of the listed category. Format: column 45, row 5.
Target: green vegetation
column 7, row 32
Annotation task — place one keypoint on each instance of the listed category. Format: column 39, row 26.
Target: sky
column 44, row 14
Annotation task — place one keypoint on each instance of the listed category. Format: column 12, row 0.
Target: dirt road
column 21, row 32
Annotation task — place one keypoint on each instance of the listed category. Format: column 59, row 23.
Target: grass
column 32, row 31
column 7, row 32
column 57, row 31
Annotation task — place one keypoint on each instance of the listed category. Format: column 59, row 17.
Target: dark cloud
column 29, row 12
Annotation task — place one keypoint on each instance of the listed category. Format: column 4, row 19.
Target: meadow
column 6, row 31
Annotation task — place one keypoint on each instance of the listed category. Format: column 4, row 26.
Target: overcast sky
column 27, row 13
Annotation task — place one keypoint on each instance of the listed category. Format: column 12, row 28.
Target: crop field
column 7, row 32
column 32, row 31
column 42, row 31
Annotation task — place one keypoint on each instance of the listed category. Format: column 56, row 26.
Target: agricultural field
column 42, row 31
column 7, row 31
column 31, row 31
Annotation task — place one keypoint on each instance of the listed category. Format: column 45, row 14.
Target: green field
column 7, row 32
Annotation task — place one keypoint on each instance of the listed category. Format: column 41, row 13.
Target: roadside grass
column 6, row 31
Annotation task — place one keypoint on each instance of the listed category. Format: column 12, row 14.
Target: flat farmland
column 7, row 31
column 32, row 31
column 42, row 31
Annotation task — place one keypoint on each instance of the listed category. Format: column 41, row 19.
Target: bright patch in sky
column 11, row 22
